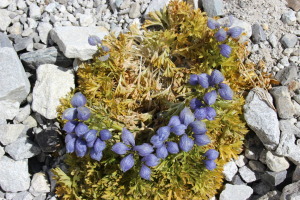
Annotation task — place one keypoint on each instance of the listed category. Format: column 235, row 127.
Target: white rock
column 156, row 5
column 8, row 109
column 289, row 18
column 276, row 163
column 2, row 152
column 241, row 161
column 285, row 61
column 21, row 4
column 10, row 132
column 51, row 7
column 14, row 175
column 230, row 169
column 23, row 114
column 30, row 122
column 247, row 174
column 273, row 40
column 86, row 20
column 135, row 10
column 236, row 192
column 23, row 196
column 5, row 3
column 15, row 29
column 44, row 29
column 34, row 11
column 32, row 23
column 52, row 83
column 4, row 19
column 39, row 184
column 65, row 38
column 236, row 22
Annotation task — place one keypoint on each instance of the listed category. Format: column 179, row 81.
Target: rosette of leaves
column 141, row 85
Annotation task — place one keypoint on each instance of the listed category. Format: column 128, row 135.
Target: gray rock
column 5, row 3
column 285, row 61
column 2, row 152
column 8, row 109
column 34, row 11
column 134, row 11
column 65, row 37
column 10, row 132
column 14, row 176
column 286, row 75
column 289, row 40
column 241, row 161
column 236, row 180
column 247, row 174
column 4, row 19
column 10, row 195
column 229, row 170
column 16, row 28
column 258, row 34
column 236, row 192
column 288, row 126
column 22, row 148
column 23, row 196
column 125, row 4
column 213, row 7
column 4, row 41
column 27, row 32
column 23, row 43
column 39, row 184
column 155, row 5
column 51, row 55
column 52, row 83
column 252, row 153
column 23, row 114
column 261, row 118
column 283, row 102
column 274, row 178
column 273, row 40
column 272, row 195
column 289, row 18
column 291, row 192
column 44, row 29
column 40, row 197
column 261, row 188
column 276, row 163
column 296, row 174
column 256, row 166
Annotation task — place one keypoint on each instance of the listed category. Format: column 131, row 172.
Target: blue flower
column 99, row 145
column 174, row 121
column 70, row 114
column 195, row 103
column 210, row 97
column 198, row 127
column 216, row 77
column 69, row 137
column 145, row 172
column 235, row 32
column 93, row 40
column 80, row 147
column 201, row 140
column 225, row 91
column 163, row 133
column 200, row 113
column 144, row 149
column 186, row 143
column 104, row 58
column 203, row 80
column 221, row 35
column 193, row 79
column 105, row 48
column 211, row 154
column 78, row 100
column 83, row 113
column 96, row 155
column 120, row 148
column 162, row 152
column 212, row 24
column 70, row 126
column 179, row 130
column 70, row 141
column 105, row 134
column 172, row 147
column 186, row 116
column 127, row 137
column 210, row 164
column 225, row 50
column 210, row 113
column 90, row 136
column 127, row 163
column 81, row 129
column 156, row 141
column 151, row 160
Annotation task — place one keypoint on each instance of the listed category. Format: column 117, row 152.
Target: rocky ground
column 42, row 42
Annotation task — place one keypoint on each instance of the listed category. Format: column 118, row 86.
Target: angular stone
column 257, row 166
column 44, row 29
column 236, row 180
column 289, row 18
column 14, row 176
column 276, row 163
column 52, row 83
column 296, row 174
column 8, row 109
column 272, row 195
column 2, row 152
column 236, row 192
column 213, row 7
column 65, row 38
column 51, row 55
column 241, row 161
column 286, row 75
column 40, row 197
column 274, row 178
column 23, row 43
column 283, row 102
column 258, row 34
column 134, row 11
column 289, row 40
column 5, row 3
column 252, row 153
column 34, row 11
column 30, row 122
column 155, row 5
column 49, row 140
column 294, row 4
column 261, row 118
column 288, row 126
column 4, row 19
column 10, row 132
column 5, row 41
column 291, row 192
column 23, row 114
column 229, row 170
column 23, row 196
column 86, row 20
column 39, row 184
column 22, row 148
column 261, row 188
column 247, row 174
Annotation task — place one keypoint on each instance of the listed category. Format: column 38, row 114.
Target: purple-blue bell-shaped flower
column 203, row 80
column 198, row 127
column 94, row 40
column 201, row 140
column 81, row 129
column 105, row 134
column 179, row 130
column 127, row 137
column 211, row 154
column 225, row 91
column 70, row 114
column 225, row 50
column 210, row 97
column 120, row 148
column 127, row 163
column 156, row 141
column 143, row 149
column 210, row 164
column 90, row 136
column 210, row 113
column 186, row 143
column 145, row 172
column 78, row 100
column 195, row 103
column 99, row 145
column 186, row 116
column 235, row 32
column 221, row 35
column 83, row 113
column 200, row 113
column 212, row 24
column 96, row 155
column 216, row 77
column 163, row 133
column 90, row 144
column 70, row 126
column 105, row 48
column 104, row 58
column 70, row 140
column 151, row 160
column 69, row 137
column 80, row 147
column 172, row 147
column 193, row 79
column 162, row 152
column 174, row 121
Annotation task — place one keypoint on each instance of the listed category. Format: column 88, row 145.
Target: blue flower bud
column 70, row 114
column 174, row 121
column 193, row 79
column 104, row 58
column 186, row 143
column 172, row 147
column 78, row 100
column 127, row 163
column 80, row 147
column 70, row 126
column 211, row 154
column 186, row 116
column 221, row 35
column 120, row 148
column 225, row 91
column 99, row 145
column 201, row 140
column 145, row 172
column 163, row 133
column 156, row 141
column 69, row 137
column 162, row 152
column 93, row 40
column 179, row 130
column 203, row 80
column 235, row 32
column 105, row 134
column 225, row 50
column 210, row 164
column 90, row 144
column 96, row 155
column 143, row 149
column 83, row 113
column 81, row 129
column 216, row 77
column 195, row 103
column 200, row 113
column 198, row 127
column 127, row 137
column 210, row 97
column 90, row 136
column 151, row 160
column 210, row 113
column 70, row 142
column 105, row 48
column 212, row 24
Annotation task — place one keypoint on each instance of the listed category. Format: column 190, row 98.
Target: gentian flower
column 201, row 140
column 105, row 134
column 212, row 24
column 210, row 164
column 93, row 40
column 198, row 127
column 174, row 121
column 83, row 113
column 104, row 58
column 70, row 114
column 144, row 149
column 80, row 147
column 235, row 32
column 105, row 48
column 179, row 129
column 216, row 77
column 195, row 103
column 225, row 91
column 221, row 35
column 127, row 163
column 99, row 145
column 156, row 141
column 172, row 147
column 70, row 126
column 78, row 100
column 162, row 152
column 193, row 79
column 186, row 116
column 151, row 160
column 127, row 137
column 145, row 172
column 210, row 113
column 186, row 143
column 210, row 97
column 90, row 136
column 120, row 148
column 163, row 133
column 200, row 113
column 203, row 80
column 96, row 155
column 70, row 141
column 81, row 129
column 225, row 50
column 211, row 154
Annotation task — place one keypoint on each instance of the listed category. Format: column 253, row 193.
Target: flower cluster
column 211, row 155
column 94, row 40
column 79, row 137
column 222, row 34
